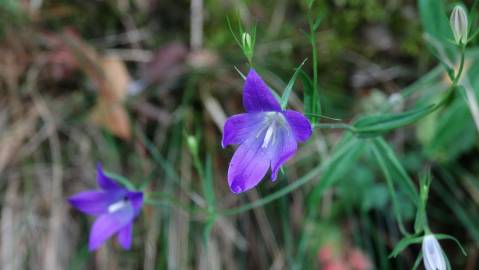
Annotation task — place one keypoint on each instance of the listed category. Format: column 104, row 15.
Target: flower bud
column 459, row 24
column 433, row 254
column 247, row 45
column 192, row 143
column 246, row 39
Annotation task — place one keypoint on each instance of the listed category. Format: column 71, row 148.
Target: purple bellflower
column 268, row 136
column 115, row 208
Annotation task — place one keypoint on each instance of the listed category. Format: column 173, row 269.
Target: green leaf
column 208, row 228
column 394, row 164
column 434, row 19
column 374, row 125
column 404, row 243
column 418, row 261
column 317, row 23
column 341, row 161
column 441, row 236
column 208, row 188
column 380, row 157
column 289, row 87
column 308, row 88
column 452, row 123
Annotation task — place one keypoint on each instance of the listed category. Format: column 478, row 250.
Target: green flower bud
column 192, row 145
column 247, row 45
column 459, row 25
column 246, row 41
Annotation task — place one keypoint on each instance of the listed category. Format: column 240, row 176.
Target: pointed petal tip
column 223, row 145
column 257, row 96
column 94, row 245
column 236, row 188
column 125, row 236
column 104, row 181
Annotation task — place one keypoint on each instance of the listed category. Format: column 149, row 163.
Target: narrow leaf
column 396, row 165
column 404, row 243
column 374, row 125
column 289, row 87
column 390, row 184
column 317, row 23
column 441, row 236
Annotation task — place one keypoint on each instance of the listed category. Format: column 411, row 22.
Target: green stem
column 455, row 81
column 461, row 67
column 276, row 195
column 165, row 199
column 390, row 186
column 312, row 39
column 335, row 126
column 291, row 187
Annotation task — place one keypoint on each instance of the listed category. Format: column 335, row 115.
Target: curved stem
column 335, row 126
column 461, row 67
column 291, row 187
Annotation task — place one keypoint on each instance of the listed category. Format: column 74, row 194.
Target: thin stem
column 162, row 198
column 312, row 39
column 291, row 187
column 461, row 67
column 276, row 195
column 456, row 80
column 390, row 186
column 334, row 126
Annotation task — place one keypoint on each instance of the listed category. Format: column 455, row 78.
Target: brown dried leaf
column 116, row 78
column 113, row 117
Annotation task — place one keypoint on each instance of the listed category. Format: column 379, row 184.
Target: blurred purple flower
column 115, row 208
column 267, row 135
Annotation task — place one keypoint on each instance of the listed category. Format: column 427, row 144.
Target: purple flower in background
column 268, row 136
column 115, row 208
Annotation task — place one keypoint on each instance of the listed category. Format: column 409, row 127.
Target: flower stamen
column 117, row 206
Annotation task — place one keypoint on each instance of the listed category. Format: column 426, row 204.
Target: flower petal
column 300, row 125
column 249, row 165
column 104, row 181
column 433, row 254
column 284, row 148
column 238, row 127
column 125, row 236
column 107, row 225
column 95, row 202
column 256, row 95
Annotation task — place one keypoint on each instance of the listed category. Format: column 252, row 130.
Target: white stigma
column 269, row 135
column 117, row 206
column 273, row 122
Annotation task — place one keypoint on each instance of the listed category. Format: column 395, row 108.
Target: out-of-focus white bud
column 459, row 24
column 433, row 254
column 192, row 144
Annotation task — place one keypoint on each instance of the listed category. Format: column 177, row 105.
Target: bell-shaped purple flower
column 268, row 136
column 115, row 208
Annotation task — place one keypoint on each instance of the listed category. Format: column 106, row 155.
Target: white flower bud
column 433, row 254
column 459, row 24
